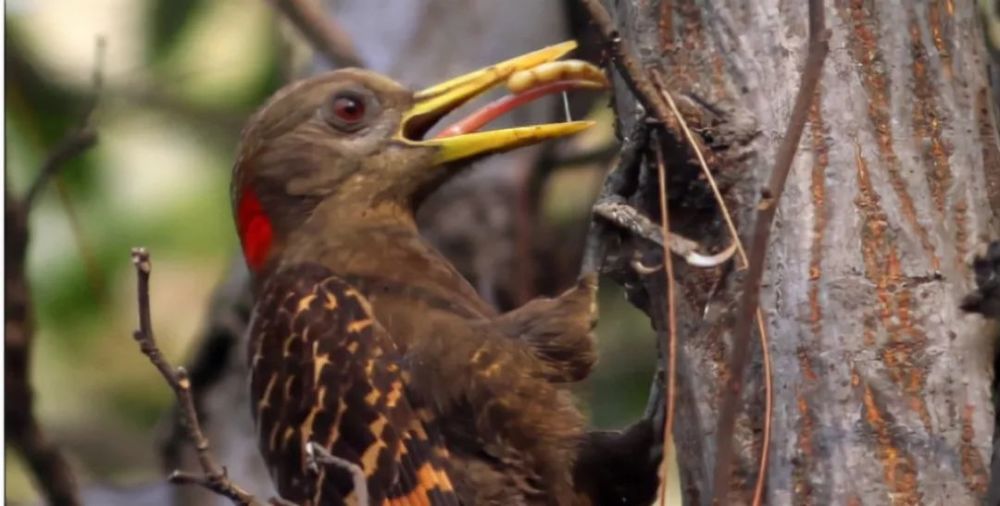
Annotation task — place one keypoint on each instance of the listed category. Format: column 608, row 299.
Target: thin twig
column 692, row 140
column 765, row 451
column 321, row 31
column 213, row 475
column 766, row 208
column 218, row 339
column 82, row 138
column 759, row 314
column 668, row 424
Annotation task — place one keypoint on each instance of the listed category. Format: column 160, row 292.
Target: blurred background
column 179, row 78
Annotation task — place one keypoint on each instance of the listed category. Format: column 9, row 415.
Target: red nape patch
column 256, row 233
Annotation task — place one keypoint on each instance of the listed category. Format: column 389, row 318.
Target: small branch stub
column 214, row 476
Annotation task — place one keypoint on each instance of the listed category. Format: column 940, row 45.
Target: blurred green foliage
column 168, row 119
column 180, row 77
column 167, row 19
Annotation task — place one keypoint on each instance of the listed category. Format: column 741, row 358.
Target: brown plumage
column 365, row 341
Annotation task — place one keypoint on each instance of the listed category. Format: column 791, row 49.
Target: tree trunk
column 882, row 387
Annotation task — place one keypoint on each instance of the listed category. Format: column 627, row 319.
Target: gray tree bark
column 882, row 387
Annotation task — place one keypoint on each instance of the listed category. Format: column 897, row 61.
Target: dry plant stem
column 214, row 476
column 693, row 141
column 323, row 33
column 759, row 315
column 758, row 493
column 671, row 395
column 766, row 209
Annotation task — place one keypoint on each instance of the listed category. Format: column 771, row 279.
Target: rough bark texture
column 882, row 387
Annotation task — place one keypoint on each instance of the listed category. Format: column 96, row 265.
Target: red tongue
column 501, row 106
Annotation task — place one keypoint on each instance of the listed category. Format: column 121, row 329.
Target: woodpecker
column 378, row 374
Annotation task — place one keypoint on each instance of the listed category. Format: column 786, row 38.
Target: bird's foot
column 625, row 216
column 985, row 299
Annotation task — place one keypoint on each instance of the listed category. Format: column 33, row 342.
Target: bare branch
column 671, row 344
column 322, row 32
column 51, row 472
column 213, row 476
column 817, row 50
column 76, row 141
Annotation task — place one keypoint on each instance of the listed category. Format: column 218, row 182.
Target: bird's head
column 353, row 141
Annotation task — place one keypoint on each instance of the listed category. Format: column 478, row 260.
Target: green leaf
column 167, row 20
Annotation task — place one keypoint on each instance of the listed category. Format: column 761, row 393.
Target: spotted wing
column 325, row 373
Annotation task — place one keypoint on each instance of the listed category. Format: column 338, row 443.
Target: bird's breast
column 410, row 285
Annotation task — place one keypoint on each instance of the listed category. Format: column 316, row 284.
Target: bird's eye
column 348, row 110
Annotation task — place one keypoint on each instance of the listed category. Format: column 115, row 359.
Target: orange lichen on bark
column 803, row 466
column 936, row 18
column 972, row 461
column 961, row 210
column 927, row 120
column 682, row 40
column 805, row 365
column 665, row 25
column 821, row 160
column 991, row 151
column 906, row 342
column 864, row 48
column 928, row 130
column 898, row 467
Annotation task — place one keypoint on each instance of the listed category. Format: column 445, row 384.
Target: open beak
column 462, row 141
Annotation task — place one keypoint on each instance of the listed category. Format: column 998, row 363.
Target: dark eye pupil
column 348, row 108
